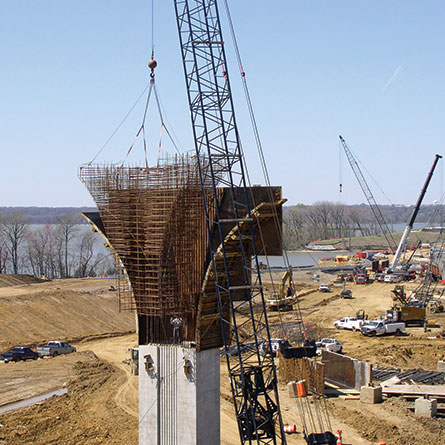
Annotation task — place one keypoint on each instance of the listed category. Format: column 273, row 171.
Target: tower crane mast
column 369, row 196
column 220, row 159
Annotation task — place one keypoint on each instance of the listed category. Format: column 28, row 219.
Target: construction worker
column 176, row 322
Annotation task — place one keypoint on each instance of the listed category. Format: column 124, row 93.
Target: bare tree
column 294, row 227
column 319, row 217
column 13, row 229
column 41, row 250
column 67, row 228
column 3, row 254
column 87, row 262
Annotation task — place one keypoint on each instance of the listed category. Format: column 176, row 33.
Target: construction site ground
column 101, row 406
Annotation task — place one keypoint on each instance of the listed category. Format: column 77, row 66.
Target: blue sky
column 371, row 71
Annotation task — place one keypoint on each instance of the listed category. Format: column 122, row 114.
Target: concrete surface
column 179, row 398
column 425, row 407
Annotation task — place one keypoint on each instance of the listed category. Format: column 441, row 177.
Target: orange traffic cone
column 339, row 438
column 289, row 429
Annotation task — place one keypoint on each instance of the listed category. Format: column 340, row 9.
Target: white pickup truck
column 54, row 348
column 379, row 327
column 352, row 323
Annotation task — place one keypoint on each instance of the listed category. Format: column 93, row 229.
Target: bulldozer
column 284, row 299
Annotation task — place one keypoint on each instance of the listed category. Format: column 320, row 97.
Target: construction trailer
column 153, row 219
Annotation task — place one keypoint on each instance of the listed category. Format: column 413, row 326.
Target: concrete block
column 426, row 407
column 371, row 394
column 441, row 365
column 292, row 387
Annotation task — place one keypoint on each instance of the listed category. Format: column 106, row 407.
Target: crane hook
column 152, row 64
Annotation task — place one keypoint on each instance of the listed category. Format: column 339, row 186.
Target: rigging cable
column 119, row 125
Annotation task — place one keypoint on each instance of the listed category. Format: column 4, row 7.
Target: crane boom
column 408, row 228
column 252, row 374
column 369, row 196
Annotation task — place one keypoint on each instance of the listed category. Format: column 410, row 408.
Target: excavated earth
column 101, row 405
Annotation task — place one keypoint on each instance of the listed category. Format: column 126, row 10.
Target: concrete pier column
column 179, row 398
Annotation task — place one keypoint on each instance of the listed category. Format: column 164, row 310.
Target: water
column 301, row 258
column 32, row 400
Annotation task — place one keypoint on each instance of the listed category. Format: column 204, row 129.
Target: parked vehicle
column 324, row 288
column 352, row 323
column 54, row 348
column 361, row 279
column 346, row 293
column 380, row 277
column 19, row 353
column 380, row 327
column 392, row 278
column 330, row 344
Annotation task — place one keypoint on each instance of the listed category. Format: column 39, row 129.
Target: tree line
column 324, row 219
column 59, row 250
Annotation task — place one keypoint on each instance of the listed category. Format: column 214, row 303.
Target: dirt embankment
column 7, row 280
column 61, row 309
column 88, row 414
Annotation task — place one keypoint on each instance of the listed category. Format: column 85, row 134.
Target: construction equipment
column 284, row 299
column 369, row 196
column 436, row 306
column 402, row 244
column 404, row 310
column 252, row 375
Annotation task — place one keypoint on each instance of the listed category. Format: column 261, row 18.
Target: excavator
column 284, row 299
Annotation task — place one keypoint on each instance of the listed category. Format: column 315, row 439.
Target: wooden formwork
column 307, row 369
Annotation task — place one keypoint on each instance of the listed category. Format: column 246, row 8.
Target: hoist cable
column 158, row 102
column 119, row 126
column 141, row 128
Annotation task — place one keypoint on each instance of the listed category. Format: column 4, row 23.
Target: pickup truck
column 329, row 344
column 324, row 288
column 352, row 323
column 19, row 353
column 55, row 348
column 379, row 327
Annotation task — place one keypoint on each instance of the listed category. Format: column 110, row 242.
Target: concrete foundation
column 371, row 394
column 441, row 365
column 426, row 407
column 179, row 399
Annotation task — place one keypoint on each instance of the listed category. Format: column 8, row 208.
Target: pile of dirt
column 7, row 280
column 86, row 415
column 39, row 313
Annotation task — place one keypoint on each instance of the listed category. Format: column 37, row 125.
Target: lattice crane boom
column 252, row 375
column 369, row 196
